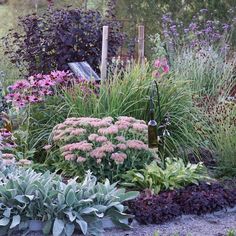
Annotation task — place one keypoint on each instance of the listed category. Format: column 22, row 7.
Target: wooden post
column 141, row 59
column 104, row 52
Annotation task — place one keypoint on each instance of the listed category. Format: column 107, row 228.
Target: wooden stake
column 141, row 58
column 104, row 52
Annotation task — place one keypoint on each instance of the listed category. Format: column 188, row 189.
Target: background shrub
column 48, row 42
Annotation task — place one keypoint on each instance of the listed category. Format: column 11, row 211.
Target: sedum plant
column 174, row 175
column 64, row 208
column 106, row 146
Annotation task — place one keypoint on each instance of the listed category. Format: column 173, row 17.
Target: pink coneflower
column 136, row 144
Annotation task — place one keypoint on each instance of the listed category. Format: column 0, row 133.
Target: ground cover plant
column 62, row 207
column 194, row 199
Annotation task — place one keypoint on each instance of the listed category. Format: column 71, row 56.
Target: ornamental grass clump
column 108, row 148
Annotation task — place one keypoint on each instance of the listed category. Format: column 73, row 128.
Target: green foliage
column 26, row 195
column 206, row 71
column 116, row 98
column 175, row 174
column 222, row 118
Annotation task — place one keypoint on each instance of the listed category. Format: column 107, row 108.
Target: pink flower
column 118, row 157
column 80, row 159
column 121, row 146
column 70, row 157
column 113, row 129
column 140, row 127
column 120, row 138
column 127, row 119
column 166, row 69
column 8, row 156
column 92, row 137
column 101, row 139
column 78, row 132
column 47, row 147
column 97, row 153
column 136, row 144
column 82, row 146
column 107, row 147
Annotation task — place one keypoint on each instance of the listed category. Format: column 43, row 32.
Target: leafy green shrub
column 174, row 175
column 108, row 148
column 26, row 195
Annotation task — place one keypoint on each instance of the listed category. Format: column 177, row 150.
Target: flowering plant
column 202, row 32
column 162, row 67
column 108, row 148
column 37, row 87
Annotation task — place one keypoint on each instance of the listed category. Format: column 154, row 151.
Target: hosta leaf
column 58, row 227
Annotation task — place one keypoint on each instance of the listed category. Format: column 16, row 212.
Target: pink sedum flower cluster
column 101, row 140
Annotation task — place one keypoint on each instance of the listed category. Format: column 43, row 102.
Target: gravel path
column 217, row 224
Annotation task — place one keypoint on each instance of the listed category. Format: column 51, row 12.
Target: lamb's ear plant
column 175, row 174
column 63, row 207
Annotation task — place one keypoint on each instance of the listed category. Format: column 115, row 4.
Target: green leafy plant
column 62, row 207
column 174, row 175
